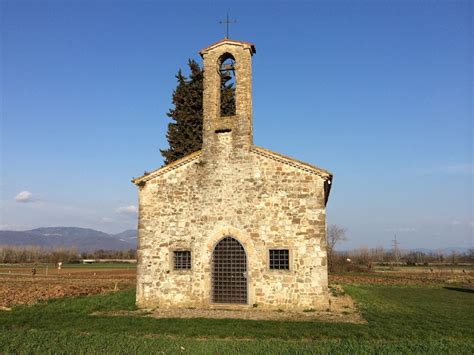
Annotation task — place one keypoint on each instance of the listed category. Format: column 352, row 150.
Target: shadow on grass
column 459, row 289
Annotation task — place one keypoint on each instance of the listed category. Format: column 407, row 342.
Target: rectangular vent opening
column 225, row 130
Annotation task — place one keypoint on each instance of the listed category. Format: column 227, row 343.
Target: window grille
column 280, row 259
column 182, row 260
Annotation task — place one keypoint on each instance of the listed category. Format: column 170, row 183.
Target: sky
column 377, row 92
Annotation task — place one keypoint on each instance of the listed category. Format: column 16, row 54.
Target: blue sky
column 379, row 93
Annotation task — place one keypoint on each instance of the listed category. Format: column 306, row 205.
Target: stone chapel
column 234, row 224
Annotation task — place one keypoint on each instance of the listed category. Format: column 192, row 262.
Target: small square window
column 280, row 259
column 182, row 260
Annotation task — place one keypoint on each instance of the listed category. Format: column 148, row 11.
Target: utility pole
column 419, row 257
column 395, row 249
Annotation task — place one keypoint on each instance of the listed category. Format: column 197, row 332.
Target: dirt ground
column 19, row 286
column 341, row 309
column 407, row 277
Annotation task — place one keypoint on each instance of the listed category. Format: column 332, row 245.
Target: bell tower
column 227, row 101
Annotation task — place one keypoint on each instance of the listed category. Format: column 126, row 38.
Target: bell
column 226, row 75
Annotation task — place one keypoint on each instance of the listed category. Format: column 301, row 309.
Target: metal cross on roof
column 227, row 22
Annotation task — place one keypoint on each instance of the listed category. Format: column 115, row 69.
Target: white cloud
column 127, row 210
column 107, row 220
column 24, row 197
column 455, row 222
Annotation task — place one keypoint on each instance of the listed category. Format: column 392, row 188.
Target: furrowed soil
column 19, row 286
column 408, row 277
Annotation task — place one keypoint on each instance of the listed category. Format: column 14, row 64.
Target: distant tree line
column 34, row 254
column 110, row 254
column 363, row 258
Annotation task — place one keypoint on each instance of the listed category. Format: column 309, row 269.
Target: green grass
column 400, row 320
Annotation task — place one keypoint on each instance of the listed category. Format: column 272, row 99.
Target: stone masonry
column 232, row 188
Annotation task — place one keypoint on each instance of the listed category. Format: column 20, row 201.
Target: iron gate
column 229, row 272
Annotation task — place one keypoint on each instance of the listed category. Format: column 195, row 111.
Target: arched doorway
column 229, row 272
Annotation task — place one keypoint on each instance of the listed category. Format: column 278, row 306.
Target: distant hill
column 129, row 236
column 83, row 239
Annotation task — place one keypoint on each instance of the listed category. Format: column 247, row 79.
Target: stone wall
column 262, row 202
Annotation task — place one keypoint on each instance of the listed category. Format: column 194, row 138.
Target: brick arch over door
column 229, row 272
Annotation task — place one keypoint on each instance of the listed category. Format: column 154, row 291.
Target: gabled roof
column 250, row 46
column 324, row 174
column 164, row 169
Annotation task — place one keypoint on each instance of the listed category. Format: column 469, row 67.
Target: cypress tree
column 185, row 131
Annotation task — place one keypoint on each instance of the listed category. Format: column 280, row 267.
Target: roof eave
column 230, row 41
column 326, row 175
column 164, row 169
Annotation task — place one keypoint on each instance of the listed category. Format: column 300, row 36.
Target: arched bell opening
column 227, row 85
column 229, row 272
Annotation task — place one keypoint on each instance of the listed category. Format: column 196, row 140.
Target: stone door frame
column 220, row 232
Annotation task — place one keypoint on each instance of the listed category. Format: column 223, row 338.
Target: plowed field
column 19, row 286
column 446, row 278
